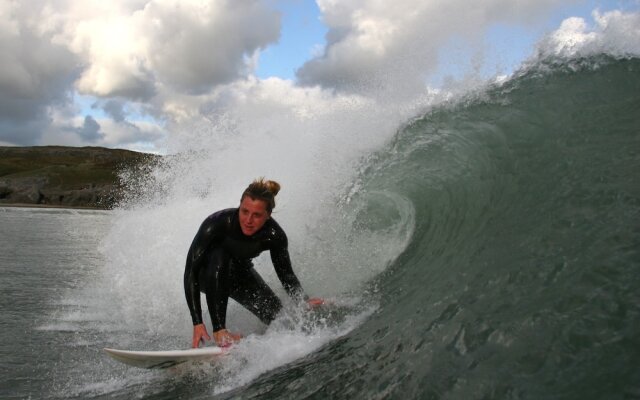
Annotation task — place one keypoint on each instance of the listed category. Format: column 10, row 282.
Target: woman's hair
column 265, row 190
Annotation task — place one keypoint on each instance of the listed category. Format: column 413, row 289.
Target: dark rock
column 5, row 191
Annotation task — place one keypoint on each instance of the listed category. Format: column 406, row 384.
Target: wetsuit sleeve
column 196, row 258
column 284, row 270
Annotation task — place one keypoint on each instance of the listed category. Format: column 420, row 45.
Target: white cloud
column 189, row 46
column 144, row 51
column 136, row 135
column 82, row 131
column 35, row 73
column 213, row 50
column 394, row 45
column 615, row 33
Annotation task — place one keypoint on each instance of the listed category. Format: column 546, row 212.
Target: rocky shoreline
column 72, row 177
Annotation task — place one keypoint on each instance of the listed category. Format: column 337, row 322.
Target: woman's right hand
column 224, row 338
column 199, row 334
column 315, row 302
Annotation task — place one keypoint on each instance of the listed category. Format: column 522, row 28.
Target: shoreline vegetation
column 66, row 177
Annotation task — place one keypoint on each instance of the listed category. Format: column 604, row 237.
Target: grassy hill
column 65, row 176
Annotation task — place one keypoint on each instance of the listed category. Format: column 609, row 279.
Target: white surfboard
column 163, row 359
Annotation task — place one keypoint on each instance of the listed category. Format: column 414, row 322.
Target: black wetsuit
column 219, row 264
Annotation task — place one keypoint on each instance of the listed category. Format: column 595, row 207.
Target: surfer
column 219, row 264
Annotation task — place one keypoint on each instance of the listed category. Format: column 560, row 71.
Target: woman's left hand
column 224, row 338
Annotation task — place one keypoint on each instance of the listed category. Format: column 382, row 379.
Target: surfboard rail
column 163, row 359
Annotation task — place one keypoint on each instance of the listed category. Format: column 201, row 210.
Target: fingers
column 315, row 302
column 199, row 335
column 224, row 338
column 195, row 343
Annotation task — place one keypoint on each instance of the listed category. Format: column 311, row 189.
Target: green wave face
column 521, row 273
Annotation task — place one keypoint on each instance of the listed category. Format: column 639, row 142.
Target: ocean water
column 488, row 248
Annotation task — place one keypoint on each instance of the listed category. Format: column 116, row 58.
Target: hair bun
column 273, row 187
column 264, row 190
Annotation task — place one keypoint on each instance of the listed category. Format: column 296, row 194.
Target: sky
column 136, row 74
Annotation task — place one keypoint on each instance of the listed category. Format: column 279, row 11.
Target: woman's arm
column 284, row 270
column 210, row 231
column 282, row 264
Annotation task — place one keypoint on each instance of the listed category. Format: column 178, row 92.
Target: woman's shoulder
column 221, row 218
column 226, row 213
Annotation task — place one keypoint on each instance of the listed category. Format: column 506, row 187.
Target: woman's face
column 253, row 215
